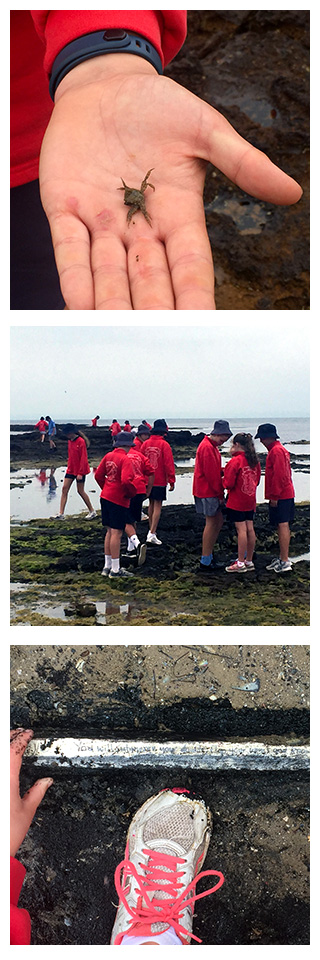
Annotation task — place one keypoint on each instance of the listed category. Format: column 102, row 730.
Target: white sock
column 107, row 562
column 115, row 565
column 133, row 542
column 167, row 937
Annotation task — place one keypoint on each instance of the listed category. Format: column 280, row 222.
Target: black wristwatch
column 97, row 43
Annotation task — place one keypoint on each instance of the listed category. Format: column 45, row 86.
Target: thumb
column 33, row 797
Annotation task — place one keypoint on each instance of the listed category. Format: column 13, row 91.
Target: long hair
column 86, row 440
column 245, row 440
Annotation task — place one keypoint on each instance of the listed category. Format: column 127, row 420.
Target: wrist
column 103, row 68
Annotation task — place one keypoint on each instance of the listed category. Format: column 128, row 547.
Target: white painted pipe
column 205, row 755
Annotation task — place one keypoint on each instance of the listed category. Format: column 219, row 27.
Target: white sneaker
column 167, row 842
column 91, row 515
column 152, row 538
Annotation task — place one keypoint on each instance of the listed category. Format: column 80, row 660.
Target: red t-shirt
column 110, row 477
column 20, row 923
column 207, row 480
column 241, row 481
column 42, row 425
column 160, row 455
column 37, row 36
column 115, row 428
column 137, row 469
column 77, row 457
column 127, row 428
column 278, row 477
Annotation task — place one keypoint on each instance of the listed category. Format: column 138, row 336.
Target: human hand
column 114, row 118
column 273, row 503
column 171, row 486
column 22, row 809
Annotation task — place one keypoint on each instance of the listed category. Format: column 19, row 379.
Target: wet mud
column 78, row 835
column 56, row 564
column 253, row 67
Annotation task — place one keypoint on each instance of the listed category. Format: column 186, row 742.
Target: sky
column 239, row 368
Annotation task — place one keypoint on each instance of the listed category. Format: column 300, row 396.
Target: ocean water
column 31, row 498
column 289, row 428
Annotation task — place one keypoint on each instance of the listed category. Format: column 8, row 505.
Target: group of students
column 46, row 425
column 141, row 466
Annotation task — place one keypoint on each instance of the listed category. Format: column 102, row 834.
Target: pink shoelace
column 160, row 911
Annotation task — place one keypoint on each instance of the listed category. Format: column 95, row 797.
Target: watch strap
column 97, row 43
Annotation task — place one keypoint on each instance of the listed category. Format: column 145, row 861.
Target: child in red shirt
column 159, row 453
column 241, row 478
column 77, row 469
column 42, row 426
column 279, row 490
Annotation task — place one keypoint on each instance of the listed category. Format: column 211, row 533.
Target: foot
column 273, row 563
column 142, row 554
column 117, row 574
column 167, row 843
column 91, row 515
column 152, row 538
column 59, row 516
column 105, row 572
column 282, row 566
column 249, row 565
column 236, row 567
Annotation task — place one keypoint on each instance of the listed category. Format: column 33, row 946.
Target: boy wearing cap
column 159, row 453
column 117, row 487
column 208, row 490
column 279, row 490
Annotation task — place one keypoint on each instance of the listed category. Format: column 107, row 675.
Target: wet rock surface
column 260, row 837
column 54, row 563
column 253, row 67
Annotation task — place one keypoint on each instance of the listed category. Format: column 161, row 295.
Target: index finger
column 19, row 740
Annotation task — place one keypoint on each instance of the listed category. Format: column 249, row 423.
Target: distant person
column 158, row 451
column 142, row 434
column 42, row 426
column 77, row 469
column 141, row 474
column 116, row 492
column 208, row 491
column 240, row 478
column 42, row 476
column 52, row 430
column 146, row 424
column 114, row 429
column 52, row 485
column 127, row 426
column 279, row 490
column 95, row 420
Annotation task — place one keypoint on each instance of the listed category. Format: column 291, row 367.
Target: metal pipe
column 204, row 755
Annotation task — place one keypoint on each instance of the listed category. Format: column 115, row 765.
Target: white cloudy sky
column 256, row 367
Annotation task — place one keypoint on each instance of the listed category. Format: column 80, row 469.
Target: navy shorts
column 282, row 513
column 113, row 515
column 158, row 493
column 134, row 511
column 73, row 476
column 237, row 516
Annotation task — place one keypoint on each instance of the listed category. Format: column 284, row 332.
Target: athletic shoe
column 167, row 842
column 105, row 572
column 142, row 553
column 59, row 516
column 283, row 566
column 249, row 565
column 236, row 567
column 144, row 516
column 117, row 574
column 91, row 515
column 152, row 538
column 273, row 563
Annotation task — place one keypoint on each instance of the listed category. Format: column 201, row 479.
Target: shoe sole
column 142, row 554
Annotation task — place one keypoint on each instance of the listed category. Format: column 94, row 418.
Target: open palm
column 103, row 131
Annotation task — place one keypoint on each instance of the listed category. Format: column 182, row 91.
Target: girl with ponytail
column 241, row 478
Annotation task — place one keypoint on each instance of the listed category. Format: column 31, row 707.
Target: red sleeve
column 230, row 473
column 100, row 473
column 166, row 29
column 169, row 464
column 20, row 923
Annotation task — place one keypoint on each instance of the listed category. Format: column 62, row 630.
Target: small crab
column 135, row 198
